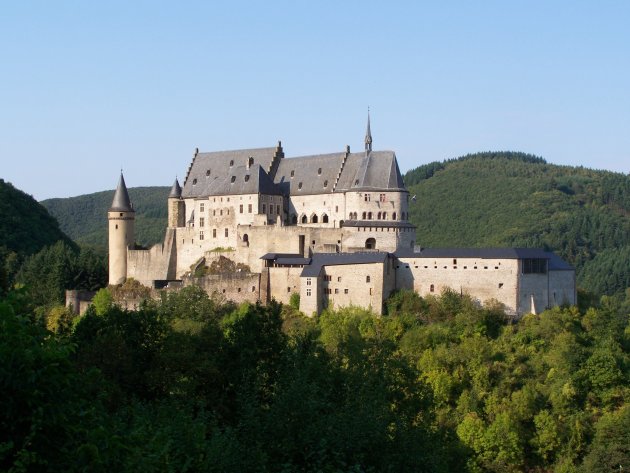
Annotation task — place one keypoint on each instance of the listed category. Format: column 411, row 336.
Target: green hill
column 25, row 226
column 516, row 199
column 84, row 218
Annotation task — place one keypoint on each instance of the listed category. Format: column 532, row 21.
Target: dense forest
column 493, row 199
column 194, row 383
column 518, row 200
column 84, row 218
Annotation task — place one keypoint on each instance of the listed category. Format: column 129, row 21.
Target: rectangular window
column 240, row 208
column 336, row 291
column 339, row 279
column 249, row 208
column 201, row 235
column 308, row 292
column 201, row 207
column 214, row 233
column 202, row 222
column 534, row 266
column 345, row 291
column 264, row 209
column 271, row 209
column 327, row 278
column 308, row 281
column 214, row 213
column 381, row 197
column 278, row 209
column 226, row 233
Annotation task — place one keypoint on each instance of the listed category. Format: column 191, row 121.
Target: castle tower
column 121, row 218
column 368, row 135
column 176, row 206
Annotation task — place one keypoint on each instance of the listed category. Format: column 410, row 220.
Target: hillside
column 514, row 199
column 84, row 218
column 25, row 226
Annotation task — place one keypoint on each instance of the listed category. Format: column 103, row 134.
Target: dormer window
column 233, row 179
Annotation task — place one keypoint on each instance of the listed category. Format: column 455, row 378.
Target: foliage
column 507, row 199
column 83, row 217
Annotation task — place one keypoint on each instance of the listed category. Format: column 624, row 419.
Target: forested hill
column 516, row 199
column 84, row 218
column 25, row 226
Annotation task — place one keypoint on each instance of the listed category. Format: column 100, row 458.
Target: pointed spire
column 121, row 202
column 176, row 190
column 368, row 135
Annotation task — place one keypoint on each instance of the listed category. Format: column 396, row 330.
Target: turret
column 121, row 218
column 176, row 207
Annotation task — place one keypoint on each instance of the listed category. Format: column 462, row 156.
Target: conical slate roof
column 121, row 202
column 176, row 190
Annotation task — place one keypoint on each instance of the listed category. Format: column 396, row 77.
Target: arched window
column 246, row 238
column 340, row 223
column 379, row 216
column 304, row 219
column 363, row 215
column 294, row 219
column 370, row 244
column 369, row 215
column 384, row 215
column 394, row 216
column 324, row 218
column 314, row 218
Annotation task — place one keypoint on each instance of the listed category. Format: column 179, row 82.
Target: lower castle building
column 333, row 228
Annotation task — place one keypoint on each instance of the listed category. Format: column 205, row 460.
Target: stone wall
column 236, row 287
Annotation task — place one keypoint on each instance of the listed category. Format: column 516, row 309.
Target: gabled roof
column 319, row 260
column 207, row 167
column 373, row 170
column 241, row 180
column 310, row 173
column 121, row 202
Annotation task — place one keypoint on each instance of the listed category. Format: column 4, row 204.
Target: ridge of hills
column 490, row 199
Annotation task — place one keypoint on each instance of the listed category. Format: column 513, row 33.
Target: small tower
column 121, row 218
column 176, row 212
column 368, row 135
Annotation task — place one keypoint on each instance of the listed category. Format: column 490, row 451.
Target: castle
column 333, row 228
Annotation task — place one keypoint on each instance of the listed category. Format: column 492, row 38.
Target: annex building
column 333, row 228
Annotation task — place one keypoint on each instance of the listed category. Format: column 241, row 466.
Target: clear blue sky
column 87, row 87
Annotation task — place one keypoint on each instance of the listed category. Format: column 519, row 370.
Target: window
column 454, row 261
column 356, row 183
column 226, row 233
column 304, row 219
column 325, row 183
column 328, row 277
column 240, row 208
column 299, row 185
column 369, row 215
column 378, row 216
column 345, row 291
column 324, row 218
column 116, row 226
column 381, row 198
column 292, row 173
column 201, row 235
column 214, row 213
column 231, row 162
column 194, row 182
column 250, row 161
column 246, row 177
column 534, row 266
column 319, row 172
column 394, row 216
column 232, row 179
column 201, row 207
column 278, row 209
column 207, row 172
column 363, row 215
column 253, row 288
column 367, row 278
column 214, row 233
column 336, row 291
column 308, row 292
column 432, row 288
column 249, row 208
column 385, row 217
column 271, row 209
column 288, row 289
column 338, row 278
column 366, row 197
column 501, row 285
column 202, row 222
column 314, row 219
column 264, row 208
column 308, row 281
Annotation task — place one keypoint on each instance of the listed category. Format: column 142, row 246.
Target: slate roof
column 378, row 223
column 306, row 170
column 319, row 260
column 240, row 180
column 176, row 190
column 121, row 202
column 555, row 262
column 218, row 165
column 374, row 170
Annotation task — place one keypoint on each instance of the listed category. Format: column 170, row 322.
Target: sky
column 90, row 87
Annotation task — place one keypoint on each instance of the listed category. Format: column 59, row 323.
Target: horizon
column 91, row 88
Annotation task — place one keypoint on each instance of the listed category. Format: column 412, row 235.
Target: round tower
column 121, row 218
column 176, row 208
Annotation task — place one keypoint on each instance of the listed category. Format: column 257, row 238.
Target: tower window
column 292, row 173
column 325, row 183
column 226, row 233
column 247, row 178
column 367, row 278
column 319, row 172
column 432, row 288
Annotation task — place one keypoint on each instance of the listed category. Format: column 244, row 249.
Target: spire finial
column 368, row 134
